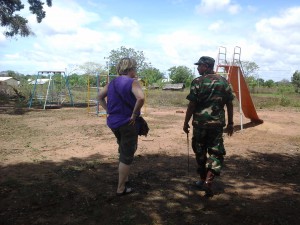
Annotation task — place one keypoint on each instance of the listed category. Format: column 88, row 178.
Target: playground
column 59, row 166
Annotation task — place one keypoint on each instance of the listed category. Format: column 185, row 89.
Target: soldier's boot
column 202, row 172
column 207, row 186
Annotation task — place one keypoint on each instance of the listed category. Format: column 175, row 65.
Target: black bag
column 144, row 128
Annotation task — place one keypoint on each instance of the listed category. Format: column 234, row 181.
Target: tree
column 151, row 74
column 91, row 68
column 252, row 82
column 16, row 24
column 73, row 79
column 269, row 83
column 59, row 81
column 250, row 73
column 283, row 82
column 250, row 68
column 116, row 55
column 260, row 82
column 296, row 81
column 181, row 74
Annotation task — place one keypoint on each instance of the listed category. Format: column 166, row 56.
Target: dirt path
column 60, row 167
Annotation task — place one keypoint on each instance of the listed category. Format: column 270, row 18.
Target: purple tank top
column 119, row 112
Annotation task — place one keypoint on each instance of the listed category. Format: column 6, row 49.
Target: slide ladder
column 235, row 76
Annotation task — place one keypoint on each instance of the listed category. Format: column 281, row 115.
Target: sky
column 169, row 32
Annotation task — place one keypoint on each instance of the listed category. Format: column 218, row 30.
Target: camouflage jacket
column 210, row 93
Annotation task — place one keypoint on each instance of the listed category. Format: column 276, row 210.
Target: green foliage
column 296, row 81
column 116, row 55
column 251, row 81
column 181, row 74
column 284, row 101
column 59, row 81
column 73, row 79
column 83, row 80
column 283, row 89
column 151, row 74
column 92, row 81
column 16, row 24
column 269, row 83
column 260, row 82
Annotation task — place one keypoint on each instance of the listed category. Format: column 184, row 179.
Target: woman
column 125, row 99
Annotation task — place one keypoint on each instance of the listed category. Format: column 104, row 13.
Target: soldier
column 209, row 93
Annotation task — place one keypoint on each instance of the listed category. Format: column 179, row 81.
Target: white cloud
column 125, row 24
column 63, row 19
column 65, row 36
column 209, row 6
column 217, row 26
column 177, row 41
column 84, row 40
column 181, row 47
column 12, row 56
column 57, row 51
column 289, row 20
column 233, row 9
column 281, row 33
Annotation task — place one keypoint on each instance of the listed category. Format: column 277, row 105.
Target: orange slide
column 246, row 100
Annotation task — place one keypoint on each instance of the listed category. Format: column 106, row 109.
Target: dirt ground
column 60, row 167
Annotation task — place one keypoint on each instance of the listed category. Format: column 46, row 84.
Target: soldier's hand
column 230, row 129
column 186, row 128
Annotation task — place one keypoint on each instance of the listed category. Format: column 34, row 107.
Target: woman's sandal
column 126, row 191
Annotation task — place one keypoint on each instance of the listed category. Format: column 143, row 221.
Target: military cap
column 210, row 62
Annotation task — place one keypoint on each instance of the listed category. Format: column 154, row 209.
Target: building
column 174, row 87
column 39, row 81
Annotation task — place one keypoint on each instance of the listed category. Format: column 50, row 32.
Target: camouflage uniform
column 210, row 92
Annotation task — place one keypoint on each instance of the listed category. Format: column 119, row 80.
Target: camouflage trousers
column 209, row 149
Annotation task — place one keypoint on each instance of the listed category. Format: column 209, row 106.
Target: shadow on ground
column 13, row 108
column 82, row 191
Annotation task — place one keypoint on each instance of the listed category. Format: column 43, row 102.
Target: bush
column 284, row 101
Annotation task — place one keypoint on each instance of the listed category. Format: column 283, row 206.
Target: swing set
column 51, row 92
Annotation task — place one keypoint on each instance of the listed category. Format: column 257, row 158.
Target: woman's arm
column 101, row 97
column 140, row 98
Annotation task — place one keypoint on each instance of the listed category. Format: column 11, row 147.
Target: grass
column 273, row 100
column 260, row 100
column 166, row 98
